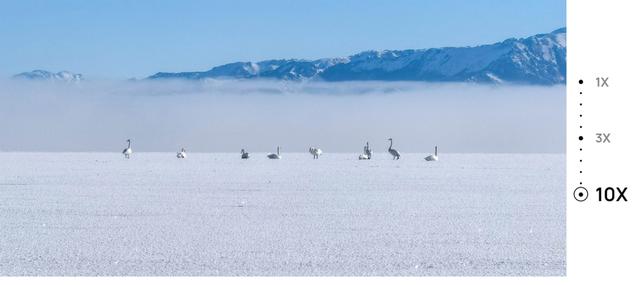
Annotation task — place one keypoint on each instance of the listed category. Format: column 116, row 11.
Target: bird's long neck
column 128, row 144
column 278, row 150
column 436, row 150
column 390, row 144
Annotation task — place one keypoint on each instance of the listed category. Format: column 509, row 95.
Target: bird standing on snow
column 127, row 151
column 432, row 157
column 366, row 155
column 275, row 155
column 393, row 152
column 316, row 152
column 182, row 153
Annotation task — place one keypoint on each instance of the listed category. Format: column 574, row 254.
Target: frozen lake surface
column 214, row 214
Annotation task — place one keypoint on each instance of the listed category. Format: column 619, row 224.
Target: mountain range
column 46, row 75
column 538, row 59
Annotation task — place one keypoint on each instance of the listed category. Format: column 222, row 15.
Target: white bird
column 275, row 155
column 182, row 153
column 432, row 157
column 244, row 154
column 127, row 151
column 316, row 152
column 366, row 155
column 393, row 152
column 368, row 151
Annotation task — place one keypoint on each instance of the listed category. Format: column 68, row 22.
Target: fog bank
column 225, row 116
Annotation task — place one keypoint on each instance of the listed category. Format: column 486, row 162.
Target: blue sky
column 121, row 39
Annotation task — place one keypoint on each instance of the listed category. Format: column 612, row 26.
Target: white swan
column 368, row 151
column 393, row 152
column 244, row 154
column 432, row 157
column 366, row 155
column 127, row 151
column 316, row 152
column 182, row 153
column 275, row 155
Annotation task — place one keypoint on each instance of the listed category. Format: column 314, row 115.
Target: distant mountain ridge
column 46, row 75
column 539, row 59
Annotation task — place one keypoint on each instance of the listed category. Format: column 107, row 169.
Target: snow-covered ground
column 214, row 214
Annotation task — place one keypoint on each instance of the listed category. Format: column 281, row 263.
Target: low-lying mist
column 227, row 115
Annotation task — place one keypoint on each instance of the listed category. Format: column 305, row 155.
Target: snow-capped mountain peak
column 539, row 59
column 37, row 74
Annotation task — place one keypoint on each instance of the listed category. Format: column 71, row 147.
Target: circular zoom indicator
column 580, row 194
